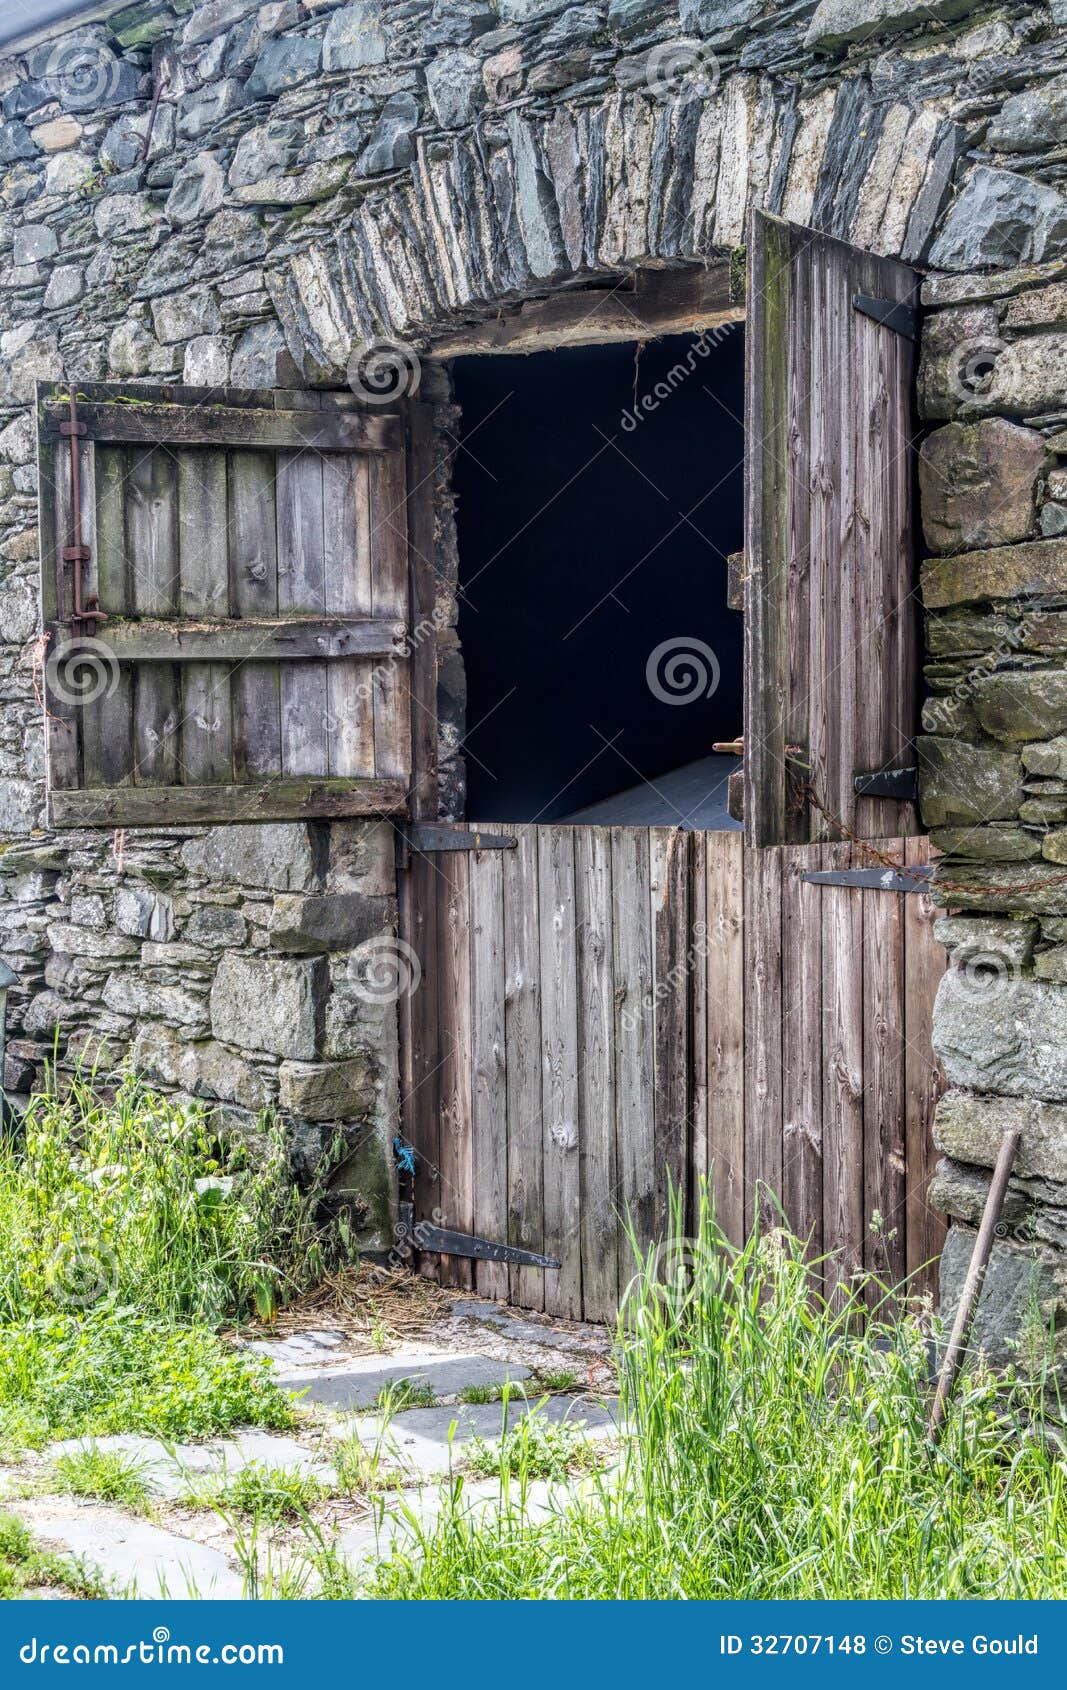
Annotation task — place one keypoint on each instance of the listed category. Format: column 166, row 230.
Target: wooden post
column 972, row 1285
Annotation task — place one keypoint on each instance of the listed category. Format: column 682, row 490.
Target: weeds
column 271, row 1493
column 23, row 1567
column 534, row 1448
column 113, row 1475
column 556, row 1379
column 480, row 1393
column 404, row 1393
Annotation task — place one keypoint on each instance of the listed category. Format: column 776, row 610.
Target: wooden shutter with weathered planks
column 831, row 613
column 249, row 554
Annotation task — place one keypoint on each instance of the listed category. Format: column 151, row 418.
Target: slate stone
column 391, row 146
column 330, row 922
column 269, row 1004
column 283, row 856
column 66, row 284
column 172, row 1470
column 727, row 22
column 977, row 484
column 1029, row 375
column 214, row 925
column 129, row 350
column 1001, row 219
column 284, row 64
column 357, row 1383
column 200, row 110
column 961, row 783
column 144, row 914
column 1017, row 706
column 425, row 1442
column 971, row 1129
column 1050, row 758
column 261, row 359
column 999, row 842
column 355, row 37
column 1010, row 1040
column 629, row 17
column 1030, row 570
column 131, row 1555
column 328, row 1091
column 455, row 89
column 34, row 242
column 179, row 316
column 198, row 190
column 215, row 18
column 972, row 936
column 1052, row 520
column 1032, row 121
column 263, row 151
column 201, row 1067
column 836, row 22
column 16, row 142
column 1022, row 1293
column 207, row 361
column 129, row 993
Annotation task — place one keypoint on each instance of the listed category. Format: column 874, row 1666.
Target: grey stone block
column 283, row 856
column 970, row 1129
column 977, row 483
column 1001, row 219
column 357, row 1383
column 837, row 22
column 391, row 146
column 1022, row 705
column 283, row 64
column 132, row 1556
column 1021, row 1297
column 335, row 921
column 972, row 936
column 354, row 37
column 328, row 1091
column 961, row 783
column 201, row 1067
column 1011, row 1039
column 269, row 1004
column 455, row 88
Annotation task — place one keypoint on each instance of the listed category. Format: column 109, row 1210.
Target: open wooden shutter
column 248, row 553
column 831, row 612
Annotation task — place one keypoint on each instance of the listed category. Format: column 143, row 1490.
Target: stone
column 996, row 886
column 179, row 316
column 34, row 242
column 629, row 17
column 300, row 187
column 284, row 64
column 355, row 37
column 977, row 484
column 961, row 783
column 1054, row 846
column 131, row 1555
column 44, row 1013
column 171, row 1470
column 328, row 1091
column 144, row 914
column 128, row 993
column 1011, row 1038
column 837, row 22
column 1047, row 759
column 391, row 146
column 197, row 191
column 66, row 284
column 1021, row 1300
column 1041, row 308
column 962, row 1193
column 1000, row 842
column 213, row 925
column 357, row 1383
column 264, row 151
column 1022, row 704
column 331, row 922
column 125, row 214
column 1053, row 521
column 215, row 18
column 130, row 349
column 269, row 1004
column 206, row 362
column 726, row 22
column 1036, row 568
column 262, row 359
column 502, row 74
column 59, row 134
column 970, row 1129
column 977, row 936
column 1032, row 121
column 283, row 856
column 1052, row 964
column 16, row 142
column 203, row 1068
column 1029, row 376
column 203, row 109
column 1001, row 219
column 426, row 1440
column 83, row 941
column 19, row 803
column 455, row 88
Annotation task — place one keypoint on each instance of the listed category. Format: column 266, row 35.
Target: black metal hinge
column 426, row 838
column 891, row 313
column 442, row 1241
column 916, row 879
column 888, row 783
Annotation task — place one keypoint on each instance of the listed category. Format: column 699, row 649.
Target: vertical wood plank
column 884, row 1079
column 62, row 749
column 559, row 1047
column 526, row 1211
column 347, row 587
column 797, row 498
column 698, row 1025
column 924, row 963
column 420, row 1039
column 635, row 1111
column 203, row 559
column 489, row 1103
column 454, row 963
column 106, row 723
column 596, row 1074
column 669, row 916
column 802, row 1034
column 152, row 539
column 389, row 578
column 843, row 1228
column 763, row 1036
column 727, row 991
column 253, row 570
column 422, row 592
column 302, row 587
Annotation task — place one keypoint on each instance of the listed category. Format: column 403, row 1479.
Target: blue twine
column 405, row 1155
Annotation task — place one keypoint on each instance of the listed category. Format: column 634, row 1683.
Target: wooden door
column 605, row 1012
column 243, row 649
column 830, row 600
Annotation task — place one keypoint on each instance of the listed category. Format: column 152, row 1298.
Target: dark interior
column 599, row 492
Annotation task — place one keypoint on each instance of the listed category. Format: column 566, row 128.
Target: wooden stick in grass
column 972, row 1285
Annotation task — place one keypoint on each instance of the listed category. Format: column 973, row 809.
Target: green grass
column 129, row 1232
column 480, row 1393
column 269, row 1493
column 533, row 1448
column 23, row 1567
column 111, row 1475
column 778, row 1451
column 556, row 1379
column 404, row 1393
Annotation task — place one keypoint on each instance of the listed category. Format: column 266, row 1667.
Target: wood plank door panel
column 607, row 1013
column 831, row 610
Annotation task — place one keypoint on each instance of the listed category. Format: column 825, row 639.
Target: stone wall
column 322, row 175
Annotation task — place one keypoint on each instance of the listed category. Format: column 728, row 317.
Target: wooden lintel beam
column 281, row 798
column 145, row 423
column 251, row 639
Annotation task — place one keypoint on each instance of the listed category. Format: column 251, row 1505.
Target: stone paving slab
column 419, row 1437
column 580, row 1338
column 300, row 1349
column 356, row 1383
column 174, row 1471
column 133, row 1557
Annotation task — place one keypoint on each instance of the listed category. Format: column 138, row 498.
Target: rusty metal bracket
column 891, row 313
column 913, row 879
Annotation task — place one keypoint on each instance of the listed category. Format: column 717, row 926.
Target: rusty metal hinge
column 425, row 837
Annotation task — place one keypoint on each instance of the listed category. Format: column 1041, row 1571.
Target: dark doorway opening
column 599, row 494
